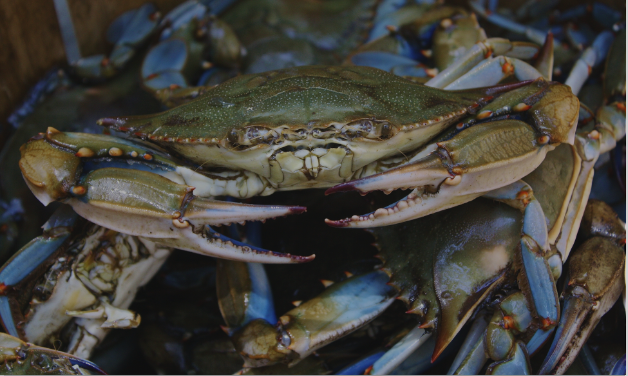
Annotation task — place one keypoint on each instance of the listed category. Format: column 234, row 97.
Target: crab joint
column 178, row 223
column 547, row 323
column 509, row 322
column 524, row 196
column 455, row 180
column 78, row 190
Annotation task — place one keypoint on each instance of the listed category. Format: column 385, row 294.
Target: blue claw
column 30, row 258
column 126, row 32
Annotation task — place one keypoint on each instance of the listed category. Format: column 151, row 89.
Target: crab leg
column 30, row 258
column 476, row 160
column 473, row 353
column 596, row 282
column 590, row 58
column 129, row 197
column 394, row 357
column 479, row 52
column 339, row 310
column 492, row 71
column 495, row 339
column 244, row 294
column 532, row 34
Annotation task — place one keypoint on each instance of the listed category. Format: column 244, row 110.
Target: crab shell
column 307, row 127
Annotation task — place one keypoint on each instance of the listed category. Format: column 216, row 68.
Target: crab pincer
column 121, row 185
column 506, row 141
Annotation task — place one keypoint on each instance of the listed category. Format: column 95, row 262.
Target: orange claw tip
column 368, row 370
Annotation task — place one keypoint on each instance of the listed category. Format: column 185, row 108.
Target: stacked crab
column 499, row 160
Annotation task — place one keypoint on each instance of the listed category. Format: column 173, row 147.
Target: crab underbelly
column 284, row 170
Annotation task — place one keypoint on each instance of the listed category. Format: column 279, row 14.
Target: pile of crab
column 494, row 258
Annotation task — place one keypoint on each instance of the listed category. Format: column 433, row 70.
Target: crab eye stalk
column 365, row 128
column 250, row 136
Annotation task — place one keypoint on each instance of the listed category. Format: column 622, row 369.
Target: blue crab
column 286, row 156
column 297, row 128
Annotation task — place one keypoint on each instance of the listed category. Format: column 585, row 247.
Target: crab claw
column 135, row 199
column 481, row 158
column 596, row 282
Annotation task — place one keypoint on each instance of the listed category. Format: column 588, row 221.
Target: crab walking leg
column 473, row 353
column 495, row 339
column 139, row 201
column 539, row 280
column 531, row 33
column 596, row 282
column 338, row 311
column 545, row 61
column 479, row 52
column 492, row 71
column 590, row 58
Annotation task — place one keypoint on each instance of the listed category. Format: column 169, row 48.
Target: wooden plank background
column 30, row 40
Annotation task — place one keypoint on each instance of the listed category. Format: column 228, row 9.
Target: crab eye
column 385, row 130
column 284, row 339
column 250, row 136
column 374, row 130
